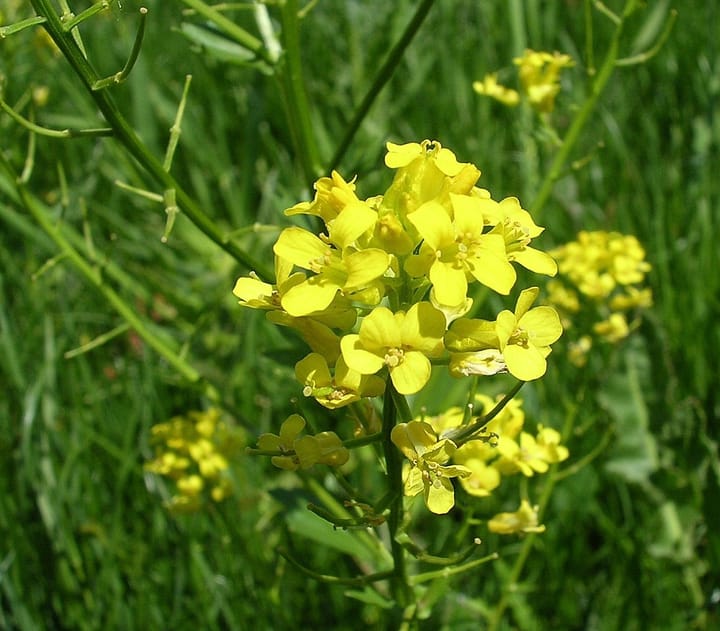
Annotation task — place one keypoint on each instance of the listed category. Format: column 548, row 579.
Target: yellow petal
column 440, row 496
column 524, row 363
column 412, row 373
column 357, row 358
column 365, row 266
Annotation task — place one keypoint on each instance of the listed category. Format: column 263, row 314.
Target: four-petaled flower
column 455, row 249
column 401, row 341
column 428, row 471
column 525, row 336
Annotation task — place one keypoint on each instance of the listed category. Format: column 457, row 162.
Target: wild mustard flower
column 525, row 519
column 454, row 249
column 525, row 336
column 336, row 269
column 303, row 452
column 529, row 455
column 400, row 341
column 523, row 339
column 345, row 387
column 284, row 442
column 428, row 473
column 504, row 449
column 539, row 75
column 490, row 87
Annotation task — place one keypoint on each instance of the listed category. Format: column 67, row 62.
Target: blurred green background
column 632, row 541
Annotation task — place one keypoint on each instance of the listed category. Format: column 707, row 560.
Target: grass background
column 632, row 541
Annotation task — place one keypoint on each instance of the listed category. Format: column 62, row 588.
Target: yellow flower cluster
column 480, row 464
column 602, row 272
column 403, row 262
column 539, row 74
column 194, row 451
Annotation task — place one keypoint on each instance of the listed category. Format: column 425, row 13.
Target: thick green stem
column 125, row 134
column 393, row 463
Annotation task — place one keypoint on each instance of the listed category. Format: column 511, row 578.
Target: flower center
column 394, row 357
column 520, row 337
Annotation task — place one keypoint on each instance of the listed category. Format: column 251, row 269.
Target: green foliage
column 85, row 542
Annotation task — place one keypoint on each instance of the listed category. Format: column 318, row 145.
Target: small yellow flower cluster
column 194, row 451
column 539, row 74
column 602, row 272
column 302, row 452
column 503, row 450
column 403, row 262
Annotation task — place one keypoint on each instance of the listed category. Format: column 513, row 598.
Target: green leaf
column 635, row 450
column 306, row 524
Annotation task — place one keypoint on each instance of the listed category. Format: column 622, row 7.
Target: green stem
column 383, row 76
column 393, row 463
column 124, row 133
column 463, row 435
column 561, row 157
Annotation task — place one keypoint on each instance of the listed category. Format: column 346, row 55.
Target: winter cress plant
column 389, row 293
column 383, row 295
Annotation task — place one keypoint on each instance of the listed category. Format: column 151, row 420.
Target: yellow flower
column 578, row 351
column 532, row 454
column 614, row 329
column 525, row 519
column 483, row 478
column 633, row 298
column 192, row 449
column 401, row 341
column 334, row 269
column 486, row 362
column 323, row 448
column 257, row 294
column 527, row 457
column 490, row 87
column 399, row 156
column 540, row 77
column 333, row 195
column 425, row 171
column 347, row 386
column 454, row 250
column 525, row 336
column 428, row 474
column 284, row 442
column 306, row 451
column 549, row 440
